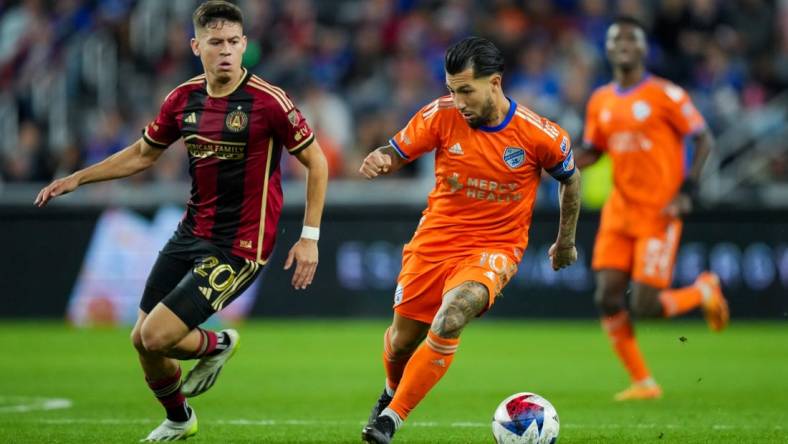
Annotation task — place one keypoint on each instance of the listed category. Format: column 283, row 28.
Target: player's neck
column 502, row 105
column 221, row 89
column 629, row 78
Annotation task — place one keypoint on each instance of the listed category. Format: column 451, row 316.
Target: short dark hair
column 213, row 10
column 475, row 52
column 629, row 20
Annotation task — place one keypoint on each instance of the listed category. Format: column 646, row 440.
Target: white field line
column 21, row 404
column 426, row 424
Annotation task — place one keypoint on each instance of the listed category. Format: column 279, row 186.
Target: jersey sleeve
column 592, row 136
column 681, row 112
column 291, row 127
column 555, row 156
column 419, row 135
column 164, row 130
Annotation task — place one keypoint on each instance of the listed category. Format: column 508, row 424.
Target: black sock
column 180, row 413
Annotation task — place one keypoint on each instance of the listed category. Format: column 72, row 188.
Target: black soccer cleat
column 379, row 406
column 380, row 431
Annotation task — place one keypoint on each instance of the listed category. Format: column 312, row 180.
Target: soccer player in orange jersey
column 489, row 155
column 641, row 122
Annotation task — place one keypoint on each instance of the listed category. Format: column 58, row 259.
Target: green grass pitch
column 315, row 381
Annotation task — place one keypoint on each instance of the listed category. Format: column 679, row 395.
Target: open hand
column 54, row 189
column 304, row 253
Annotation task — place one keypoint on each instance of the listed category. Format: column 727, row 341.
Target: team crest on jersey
column 641, row 110
column 293, row 117
column 514, row 156
column 236, row 121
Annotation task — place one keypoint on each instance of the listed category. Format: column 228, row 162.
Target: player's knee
column 607, row 302
column 402, row 343
column 459, row 307
column 154, row 341
column 136, row 340
column 645, row 305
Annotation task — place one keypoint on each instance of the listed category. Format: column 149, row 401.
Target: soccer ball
column 525, row 418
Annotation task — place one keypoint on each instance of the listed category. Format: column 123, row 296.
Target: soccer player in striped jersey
column 489, row 156
column 641, row 122
column 235, row 126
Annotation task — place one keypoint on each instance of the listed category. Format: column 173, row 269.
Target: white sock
column 393, row 415
column 648, row 382
column 389, row 390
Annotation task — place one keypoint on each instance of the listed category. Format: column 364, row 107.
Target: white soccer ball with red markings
column 525, row 418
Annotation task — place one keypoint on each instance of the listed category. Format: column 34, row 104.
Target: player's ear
column 496, row 80
column 244, row 41
column 195, row 44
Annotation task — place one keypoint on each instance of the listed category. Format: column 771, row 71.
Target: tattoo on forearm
column 463, row 304
column 569, row 199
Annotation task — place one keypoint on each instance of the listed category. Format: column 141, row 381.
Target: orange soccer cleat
column 638, row 391
column 715, row 307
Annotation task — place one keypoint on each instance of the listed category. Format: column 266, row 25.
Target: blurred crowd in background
column 79, row 79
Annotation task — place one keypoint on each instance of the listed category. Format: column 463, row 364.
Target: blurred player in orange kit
column 489, row 155
column 641, row 121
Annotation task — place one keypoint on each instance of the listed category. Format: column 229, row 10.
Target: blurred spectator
column 29, row 162
column 359, row 69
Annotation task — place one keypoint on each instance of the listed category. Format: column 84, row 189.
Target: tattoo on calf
column 459, row 307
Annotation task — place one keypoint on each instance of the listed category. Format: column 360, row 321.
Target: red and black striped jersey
column 234, row 144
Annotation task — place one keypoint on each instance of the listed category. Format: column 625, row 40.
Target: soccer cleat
column 639, row 392
column 382, row 403
column 715, row 307
column 380, row 431
column 204, row 374
column 174, row 431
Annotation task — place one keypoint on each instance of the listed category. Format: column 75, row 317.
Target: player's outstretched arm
column 563, row 252
column 131, row 160
column 304, row 253
column 384, row 160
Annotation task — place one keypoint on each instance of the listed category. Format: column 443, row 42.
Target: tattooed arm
column 563, row 252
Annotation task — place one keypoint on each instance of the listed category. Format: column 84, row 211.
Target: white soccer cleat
column 204, row 374
column 173, row 431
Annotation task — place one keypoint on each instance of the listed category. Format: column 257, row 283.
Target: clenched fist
column 375, row 164
column 562, row 256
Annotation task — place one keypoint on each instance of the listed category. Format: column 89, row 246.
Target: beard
column 487, row 115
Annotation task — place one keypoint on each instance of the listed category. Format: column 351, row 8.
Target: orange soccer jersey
column 485, row 179
column 642, row 129
column 475, row 227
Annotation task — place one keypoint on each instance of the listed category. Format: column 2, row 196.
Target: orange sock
column 680, row 300
column 425, row 368
column 394, row 365
column 622, row 335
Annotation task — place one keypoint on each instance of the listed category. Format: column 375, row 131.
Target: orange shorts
column 421, row 284
column 649, row 260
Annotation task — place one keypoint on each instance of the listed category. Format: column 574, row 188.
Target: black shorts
column 195, row 279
